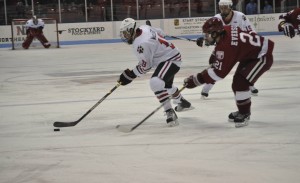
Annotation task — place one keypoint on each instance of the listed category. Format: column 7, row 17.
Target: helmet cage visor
column 34, row 20
column 127, row 35
column 210, row 38
column 127, row 30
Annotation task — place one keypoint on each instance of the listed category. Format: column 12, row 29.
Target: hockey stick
column 73, row 123
column 127, row 129
column 181, row 38
column 174, row 37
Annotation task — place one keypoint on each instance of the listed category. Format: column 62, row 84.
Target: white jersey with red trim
column 30, row 24
column 238, row 19
column 151, row 48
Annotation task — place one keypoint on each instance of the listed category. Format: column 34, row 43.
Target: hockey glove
column 192, row 81
column 41, row 27
column 126, row 77
column 199, row 41
column 287, row 29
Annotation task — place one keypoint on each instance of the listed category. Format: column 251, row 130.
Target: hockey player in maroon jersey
column 34, row 29
column 289, row 22
column 255, row 57
column 228, row 17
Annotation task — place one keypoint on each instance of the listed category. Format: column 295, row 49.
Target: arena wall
column 108, row 32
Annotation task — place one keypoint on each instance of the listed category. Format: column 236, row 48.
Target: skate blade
column 173, row 123
column 203, row 97
column 184, row 109
column 231, row 120
column 239, row 125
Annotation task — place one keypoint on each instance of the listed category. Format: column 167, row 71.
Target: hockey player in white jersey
column 228, row 17
column 153, row 51
column 34, row 29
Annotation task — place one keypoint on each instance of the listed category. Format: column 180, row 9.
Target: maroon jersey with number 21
column 238, row 46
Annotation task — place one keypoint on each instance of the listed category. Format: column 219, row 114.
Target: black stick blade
column 124, row 128
column 64, row 124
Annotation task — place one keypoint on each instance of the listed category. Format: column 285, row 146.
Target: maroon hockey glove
column 126, row 77
column 191, row 81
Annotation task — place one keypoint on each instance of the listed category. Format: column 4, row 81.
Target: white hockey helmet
column 225, row 7
column 34, row 19
column 225, row 2
column 127, row 30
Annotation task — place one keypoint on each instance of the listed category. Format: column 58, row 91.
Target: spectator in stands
column 283, row 6
column 267, row 8
column 88, row 9
column 20, row 8
column 183, row 9
column 199, row 6
column 251, row 8
column 240, row 6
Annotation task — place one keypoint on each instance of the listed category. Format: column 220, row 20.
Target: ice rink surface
column 40, row 86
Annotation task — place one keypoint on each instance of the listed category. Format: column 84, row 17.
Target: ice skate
column 184, row 105
column 254, row 91
column 47, row 45
column 204, row 95
column 171, row 118
column 239, row 119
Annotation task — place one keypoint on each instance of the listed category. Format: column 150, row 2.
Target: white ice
column 40, row 86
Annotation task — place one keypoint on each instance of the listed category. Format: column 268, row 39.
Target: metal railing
column 70, row 11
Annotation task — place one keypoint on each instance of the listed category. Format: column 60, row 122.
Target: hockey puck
column 56, row 129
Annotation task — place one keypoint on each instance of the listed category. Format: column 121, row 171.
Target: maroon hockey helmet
column 212, row 28
column 213, row 24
